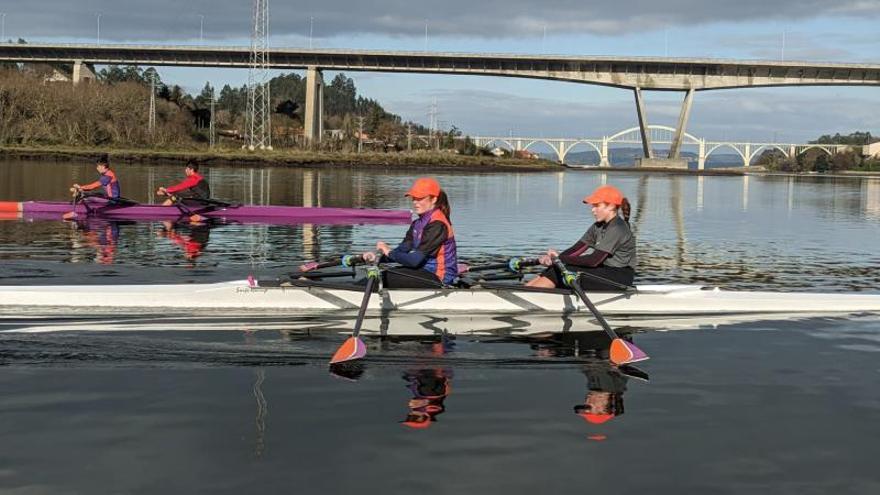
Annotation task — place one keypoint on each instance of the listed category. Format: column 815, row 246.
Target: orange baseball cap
column 596, row 419
column 424, row 186
column 605, row 194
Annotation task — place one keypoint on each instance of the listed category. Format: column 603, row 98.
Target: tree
column 203, row 100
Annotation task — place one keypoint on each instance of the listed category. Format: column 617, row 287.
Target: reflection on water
column 767, row 232
column 501, row 411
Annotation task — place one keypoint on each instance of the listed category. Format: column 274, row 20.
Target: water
column 735, row 407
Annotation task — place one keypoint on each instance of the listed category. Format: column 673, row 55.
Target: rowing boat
column 54, row 210
column 305, row 296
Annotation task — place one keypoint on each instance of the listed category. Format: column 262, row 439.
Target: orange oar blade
column 623, row 352
column 353, row 348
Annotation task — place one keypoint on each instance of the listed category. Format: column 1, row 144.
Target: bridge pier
column 643, row 123
column 701, row 158
column 675, row 149
column 603, row 156
column 747, row 155
column 314, row 117
column 83, row 72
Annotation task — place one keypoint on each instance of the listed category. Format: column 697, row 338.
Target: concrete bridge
column 632, row 73
column 659, row 134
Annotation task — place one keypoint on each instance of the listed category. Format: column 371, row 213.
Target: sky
column 808, row 30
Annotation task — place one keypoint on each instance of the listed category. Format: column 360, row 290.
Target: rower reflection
column 429, row 388
column 190, row 237
column 100, row 235
column 606, row 382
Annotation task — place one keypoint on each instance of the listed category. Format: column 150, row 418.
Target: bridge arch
column 819, row 146
column 567, row 149
column 497, row 142
column 687, row 137
column 723, row 145
column 759, row 149
column 559, row 156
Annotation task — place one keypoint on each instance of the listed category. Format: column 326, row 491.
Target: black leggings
column 623, row 276
column 401, row 277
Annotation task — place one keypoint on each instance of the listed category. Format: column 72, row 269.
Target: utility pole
column 212, row 127
column 432, row 117
column 98, row 15
column 311, row 30
column 360, row 134
column 201, row 28
column 259, row 127
column 783, row 46
column 409, row 136
column 3, row 28
column 151, row 119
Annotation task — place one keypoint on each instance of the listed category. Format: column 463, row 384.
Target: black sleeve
column 433, row 237
column 594, row 259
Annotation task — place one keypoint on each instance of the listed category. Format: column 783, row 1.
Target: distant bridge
column 659, row 134
column 634, row 73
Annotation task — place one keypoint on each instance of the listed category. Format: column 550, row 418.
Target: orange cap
column 417, row 425
column 596, row 419
column 424, row 186
column 605, row 194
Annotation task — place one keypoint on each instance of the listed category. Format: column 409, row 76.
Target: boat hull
column 51, row 210
column 656, row 300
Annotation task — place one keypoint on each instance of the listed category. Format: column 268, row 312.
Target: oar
column 77, row 195
column 513, row 264
column 353, row 347
column 78, row 198
column 622, row 352
column 347, row 261
column 193, row 216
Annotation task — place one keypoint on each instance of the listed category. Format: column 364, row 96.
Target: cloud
column 489, row 19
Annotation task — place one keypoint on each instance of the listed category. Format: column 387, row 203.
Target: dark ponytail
column 443, row 205
column 625, row 209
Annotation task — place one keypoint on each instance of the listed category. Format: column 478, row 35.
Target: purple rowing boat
column 54, row 210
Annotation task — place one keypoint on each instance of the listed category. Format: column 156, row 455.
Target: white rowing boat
column 305, row 296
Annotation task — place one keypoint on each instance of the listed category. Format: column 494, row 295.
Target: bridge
column 687, row 75
column 659, row 134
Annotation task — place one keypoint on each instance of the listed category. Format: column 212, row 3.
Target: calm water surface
column 730, row 407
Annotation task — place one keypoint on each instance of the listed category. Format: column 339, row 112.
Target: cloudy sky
column 842, row 31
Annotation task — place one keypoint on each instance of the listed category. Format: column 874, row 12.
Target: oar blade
column 70, row 215
column 353, row 348
column 623, row 352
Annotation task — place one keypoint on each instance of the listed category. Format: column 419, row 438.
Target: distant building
column 872, row 149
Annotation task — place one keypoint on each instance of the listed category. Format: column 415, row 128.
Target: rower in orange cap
column 427, row 254
column 607, row 250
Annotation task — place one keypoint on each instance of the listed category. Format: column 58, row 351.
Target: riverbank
column 281, row 158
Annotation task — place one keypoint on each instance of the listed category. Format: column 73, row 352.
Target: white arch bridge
column 659, row 134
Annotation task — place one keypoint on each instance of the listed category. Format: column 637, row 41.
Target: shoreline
column 284, row 158
column 320, row 159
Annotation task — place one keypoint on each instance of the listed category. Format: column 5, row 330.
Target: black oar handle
column 513, row 264
column 373, row 276
column 571, row 280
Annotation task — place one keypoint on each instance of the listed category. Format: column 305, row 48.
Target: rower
column 194, row 187
column 427, row 254
column 606, row 251
column 107, row 185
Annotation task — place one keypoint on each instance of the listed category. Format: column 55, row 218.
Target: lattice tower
column 258, row 126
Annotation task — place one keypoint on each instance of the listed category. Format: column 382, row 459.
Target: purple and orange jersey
column 108, row 183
